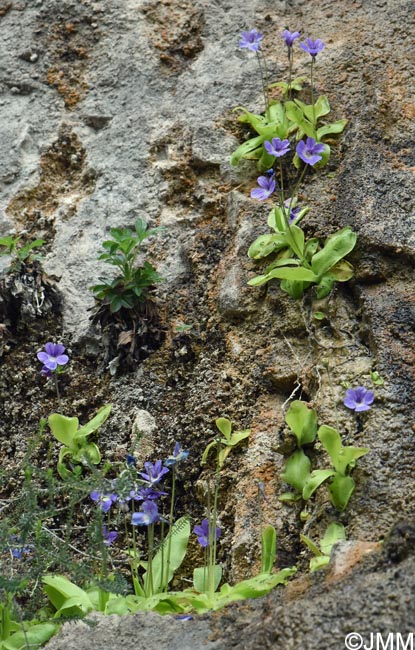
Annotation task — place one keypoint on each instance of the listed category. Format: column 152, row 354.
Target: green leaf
column 63, row 428
column 342, row 271
column 225, row 427
column 268, row 549
column 310, row 544
column 246, row 148
column 335, row 248
column 255, row 587
column 328, row 129
column 317, row 563
column 264, row 245
column 95, row 423
column 341, row 489
column 33, row 636
column 288, row 497
column 335, row 533
column 66, row 596
column 206, row 452
column 297, row 470
column 179, row 536
column 342, row 458
column 237, row 436
column 295, row 238
column 284, row 273
column 91, row 453
column 302, row 421
column 316, row 478
column 200, row 578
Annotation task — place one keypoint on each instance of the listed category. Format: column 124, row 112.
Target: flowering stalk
column 168, row 561
column 212, row 529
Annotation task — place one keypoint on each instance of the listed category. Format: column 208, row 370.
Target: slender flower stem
column 57, row 390
column 212, row 529
column 312, row 93
column 149, row 582
column 173, row 490
column 290, row 69
column 264, row 79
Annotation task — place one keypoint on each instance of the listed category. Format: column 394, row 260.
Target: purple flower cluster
column 142, row 488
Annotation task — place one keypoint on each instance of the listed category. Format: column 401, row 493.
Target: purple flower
column 289, row 37
column 148, row 514
column 293, row 211
column 53, row 357
column 251, row 40
column 202, row 533
column 313, row 47
column 103, row 499
column 154, row 472
column 178, row 455
column 19, row 550
column 310, row 151
column 146, row 494
column 108, row 536
column 277, row 147
column 266, row 187
column 358, row 399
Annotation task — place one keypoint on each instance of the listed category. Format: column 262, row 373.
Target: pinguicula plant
column 76, row 450
column 297, row 471
column 335, row 533
column 289, row 130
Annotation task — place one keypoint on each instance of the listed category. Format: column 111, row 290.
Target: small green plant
column 20, row 253
column 335, row 533
column 131, row 286
column 341, row 485
column 76, row 448
column 297, row 470
column 300, row 263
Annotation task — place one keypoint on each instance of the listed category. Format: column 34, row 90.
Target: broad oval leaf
column 302, row 421
column 336, row 247
column 341, row 489
column 297, row 470
column 63, row 428
column 225, row 426
column 316, row 478
column 264, row 245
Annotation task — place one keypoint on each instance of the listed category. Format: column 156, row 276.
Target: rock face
column 122, row 108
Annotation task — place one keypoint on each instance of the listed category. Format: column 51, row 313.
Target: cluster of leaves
column 297, row 473
column 335, row 533
column 283, row 120
column 20, row 253
column 76, row 447
column 300, row 263
column 132, row 285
